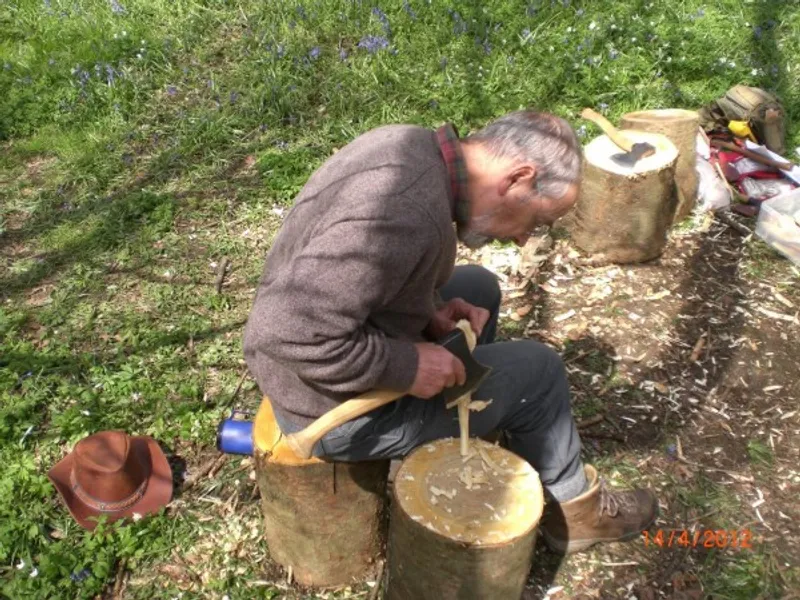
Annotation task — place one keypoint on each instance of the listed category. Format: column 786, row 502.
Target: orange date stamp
column 700, row 538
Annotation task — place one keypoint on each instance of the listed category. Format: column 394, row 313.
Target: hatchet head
column 638, row 150
column 456, row 343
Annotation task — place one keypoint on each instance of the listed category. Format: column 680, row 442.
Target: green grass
column 144, row 145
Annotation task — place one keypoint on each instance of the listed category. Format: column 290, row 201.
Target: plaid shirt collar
column 450, row 146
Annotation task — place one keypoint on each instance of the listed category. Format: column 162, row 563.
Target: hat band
column 102, row 506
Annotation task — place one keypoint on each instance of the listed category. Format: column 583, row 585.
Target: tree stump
column 449, row 540
column 326, row 521
column 680, row 126
column 623, row 214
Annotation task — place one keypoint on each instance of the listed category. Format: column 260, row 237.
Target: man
column 360, row 280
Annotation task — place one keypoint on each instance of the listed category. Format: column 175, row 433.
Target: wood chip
column 775, row 315
column 479, row 405
column 565, row 316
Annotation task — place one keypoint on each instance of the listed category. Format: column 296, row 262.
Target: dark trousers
column 530, row 403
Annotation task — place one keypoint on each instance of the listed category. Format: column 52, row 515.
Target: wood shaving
column 440, row 492
column 495, row 467
column 479, row 405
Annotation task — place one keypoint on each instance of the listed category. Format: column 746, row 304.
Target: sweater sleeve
column 313, row 317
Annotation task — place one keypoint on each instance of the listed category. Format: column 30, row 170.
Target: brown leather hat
column 114, row 474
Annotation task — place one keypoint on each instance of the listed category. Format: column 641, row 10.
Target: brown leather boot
column 598, row 515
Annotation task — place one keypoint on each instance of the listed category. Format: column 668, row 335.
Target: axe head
column 456, row 342
column 639, row 150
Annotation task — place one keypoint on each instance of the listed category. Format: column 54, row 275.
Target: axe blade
column 638, row 151
column 456, row 343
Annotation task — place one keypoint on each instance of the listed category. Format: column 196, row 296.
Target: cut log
column 453, row 540
column 326, row 521
column 623, row 214
column 681, row 127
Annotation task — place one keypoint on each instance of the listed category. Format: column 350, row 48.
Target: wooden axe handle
column 302, row 442
column 611, row 131
column 759, row 158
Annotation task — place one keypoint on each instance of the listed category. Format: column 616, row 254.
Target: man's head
column 524, row 173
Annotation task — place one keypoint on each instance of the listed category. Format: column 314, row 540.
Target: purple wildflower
column 262, row 128
column 383, row 19
column 171, row 90
column 127, row 159
column 111, row 74
column 409, row 10
column 281, row 145
column 373, row 43
column 603, row 106
column 531, row 10
column 757, row 32
column 117, row 8
column 301, row 12
column 433, row 104
column 234, row 97
column 314, row 53
column 613, row 54
column 79, row 576
column 459, row 24
column 342, row 54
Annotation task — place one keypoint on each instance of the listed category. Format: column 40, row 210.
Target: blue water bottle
column 235, row 435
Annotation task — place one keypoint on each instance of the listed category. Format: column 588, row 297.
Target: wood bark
column 326, row 521
column 680, row 126
column 624, row 214
column 474, row 544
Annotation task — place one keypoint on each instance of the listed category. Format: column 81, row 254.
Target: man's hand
column 445, row 319
column 437, row 368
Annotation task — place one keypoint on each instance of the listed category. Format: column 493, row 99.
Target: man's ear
column 521, row 175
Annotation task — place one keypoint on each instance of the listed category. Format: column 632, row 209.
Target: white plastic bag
column 712, row 192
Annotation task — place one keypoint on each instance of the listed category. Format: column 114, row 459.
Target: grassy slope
column 145, row 143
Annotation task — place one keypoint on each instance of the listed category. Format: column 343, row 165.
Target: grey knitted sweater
column 350, row 281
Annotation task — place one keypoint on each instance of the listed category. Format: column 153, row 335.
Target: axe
column 302, row 442
column 633, row 150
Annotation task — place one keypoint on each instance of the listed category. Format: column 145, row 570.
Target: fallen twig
column 698, row 348
column 588, row 422
column 116, row 594
column 604, row 436
column 221, row 270
column 378, row 581
column 204, row 470
column 728, row 220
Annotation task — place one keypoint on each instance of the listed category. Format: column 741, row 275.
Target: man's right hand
column 437, row 368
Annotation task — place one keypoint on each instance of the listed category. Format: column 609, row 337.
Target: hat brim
column 157, row 494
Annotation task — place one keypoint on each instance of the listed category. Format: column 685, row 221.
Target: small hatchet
column 633, row 150
column 302, row 442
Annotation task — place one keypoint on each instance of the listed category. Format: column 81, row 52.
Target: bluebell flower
column 171, row 90
column 613, row 54
column 510, row 60
column 234, row 97
column 281, row 145
column 459, row 24
column 342, row 54
column 373, row 43
column 262, row 128
column 117, row 8
column 301, row 11
column 292, row 24
column 771, row 23
column 602, row 106
column 314, row 53
column 127, row 159
column 757, row 32
column 433, row 104
column 409, row 10
column 581, row 131
column 79, row 576
column 531, row 10
column 111, row 73
column 383, row 19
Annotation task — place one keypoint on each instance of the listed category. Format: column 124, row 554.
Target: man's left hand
column 445, row 319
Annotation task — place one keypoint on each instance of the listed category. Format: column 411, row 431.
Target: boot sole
column 573, row 546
